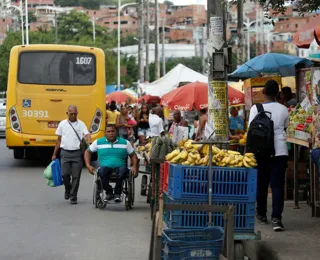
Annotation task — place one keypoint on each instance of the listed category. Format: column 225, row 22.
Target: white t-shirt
column 156, row 125
column 280, row 118
column 69, row 139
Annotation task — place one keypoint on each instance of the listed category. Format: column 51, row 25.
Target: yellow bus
column 43, row 81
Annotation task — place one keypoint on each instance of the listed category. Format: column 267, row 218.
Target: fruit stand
column 186, row 183
column 299, row 133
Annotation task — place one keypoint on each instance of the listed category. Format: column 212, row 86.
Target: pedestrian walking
column 272, row 167
column 70, row 133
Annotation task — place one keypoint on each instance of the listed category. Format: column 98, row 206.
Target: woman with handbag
column 72, row 138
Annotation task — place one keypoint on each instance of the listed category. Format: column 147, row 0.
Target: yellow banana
column 184, row 154
column 186, row 163
column 233, row 152
column 249, row 154
column 173, row 154
column 247, row 159
column 246, row 164
column 252, row 164
column 233, row 162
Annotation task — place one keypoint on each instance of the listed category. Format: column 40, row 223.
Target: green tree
column 90, row 4
column 13, row 39
column 304, row 6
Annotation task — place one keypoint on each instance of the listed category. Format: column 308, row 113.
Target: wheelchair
column 99, row 194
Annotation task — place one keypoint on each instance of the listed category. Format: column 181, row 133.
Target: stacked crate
column 230, row 186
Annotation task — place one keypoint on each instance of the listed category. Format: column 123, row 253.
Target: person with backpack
column 267, row 140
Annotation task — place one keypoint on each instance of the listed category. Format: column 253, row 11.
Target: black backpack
column 260, row 138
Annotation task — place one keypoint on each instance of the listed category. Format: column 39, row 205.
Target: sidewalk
column 300, row 240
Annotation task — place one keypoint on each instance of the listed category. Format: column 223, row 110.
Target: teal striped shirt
column 112, row 155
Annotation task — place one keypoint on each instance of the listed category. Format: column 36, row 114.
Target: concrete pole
column 202, row 50
column 56, row 26
column 147, row 76
column 118, row 75
column 27, row 22
column 163, row 50
column 240, row 31
column 22, row 27
column 94, row 28
column 156, row 60
column 248, row 38
column 141, row 41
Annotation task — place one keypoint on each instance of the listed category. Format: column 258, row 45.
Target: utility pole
column 217, row 87
column 141, row 40
column 147, row 76
column 56, row 25
column 163, row 51
column 156, row 53
column 240, row 32
column 257, row 29
column 27, row 22
column 202, row 49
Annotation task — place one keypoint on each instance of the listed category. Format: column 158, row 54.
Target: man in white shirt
column 70, row 133
column 272, row 170
column 156, row 122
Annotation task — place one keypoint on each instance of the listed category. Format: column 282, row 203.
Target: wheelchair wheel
column 100, row 204
column 144, row 185
column 130, row 196
column 95, row 190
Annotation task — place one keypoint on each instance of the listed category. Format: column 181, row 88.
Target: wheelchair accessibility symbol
column 26, row 103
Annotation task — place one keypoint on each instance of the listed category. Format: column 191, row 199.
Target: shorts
column 145, row 132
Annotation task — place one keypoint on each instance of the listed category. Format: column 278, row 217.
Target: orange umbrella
column 120, row 97
column 195, row 95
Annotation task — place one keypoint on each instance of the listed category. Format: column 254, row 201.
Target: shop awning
column 305, row 36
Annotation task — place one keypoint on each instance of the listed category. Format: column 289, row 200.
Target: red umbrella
column 119, row 97
column 149, row 99
column 195, row 95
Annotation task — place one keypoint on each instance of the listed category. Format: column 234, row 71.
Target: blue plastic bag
column 56, row 173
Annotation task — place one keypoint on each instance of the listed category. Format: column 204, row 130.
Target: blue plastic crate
column 200, row 244
column 228, row 184
column 243, row 216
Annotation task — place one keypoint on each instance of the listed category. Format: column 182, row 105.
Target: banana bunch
column 172, row 155
column 249, row 161
column 205, row 150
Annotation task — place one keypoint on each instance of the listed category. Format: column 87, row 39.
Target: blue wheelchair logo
column 26, row 103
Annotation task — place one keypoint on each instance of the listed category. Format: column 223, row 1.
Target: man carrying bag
column 72, row 138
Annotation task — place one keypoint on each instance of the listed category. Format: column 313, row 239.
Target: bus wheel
column 18, row 153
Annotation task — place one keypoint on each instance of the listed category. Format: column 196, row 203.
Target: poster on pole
column 218, row 110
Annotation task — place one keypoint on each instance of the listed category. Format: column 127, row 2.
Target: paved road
column 36, row 223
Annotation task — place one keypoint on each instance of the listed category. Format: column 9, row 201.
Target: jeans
column 271, row 171
column 105, row 172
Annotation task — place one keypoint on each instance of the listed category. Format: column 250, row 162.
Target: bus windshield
column 57, row 68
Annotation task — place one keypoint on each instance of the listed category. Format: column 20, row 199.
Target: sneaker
column 262, row 219
column 66, row 195
column 277, row 225
column 117, row 198
column 73, row 201
column 109, row 197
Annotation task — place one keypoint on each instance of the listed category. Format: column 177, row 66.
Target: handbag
column 83, row 142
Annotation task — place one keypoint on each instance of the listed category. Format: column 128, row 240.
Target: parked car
column 2, row 119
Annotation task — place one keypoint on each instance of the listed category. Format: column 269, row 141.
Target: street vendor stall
column 301, row 128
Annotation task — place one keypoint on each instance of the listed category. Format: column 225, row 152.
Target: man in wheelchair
column 113, row 153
